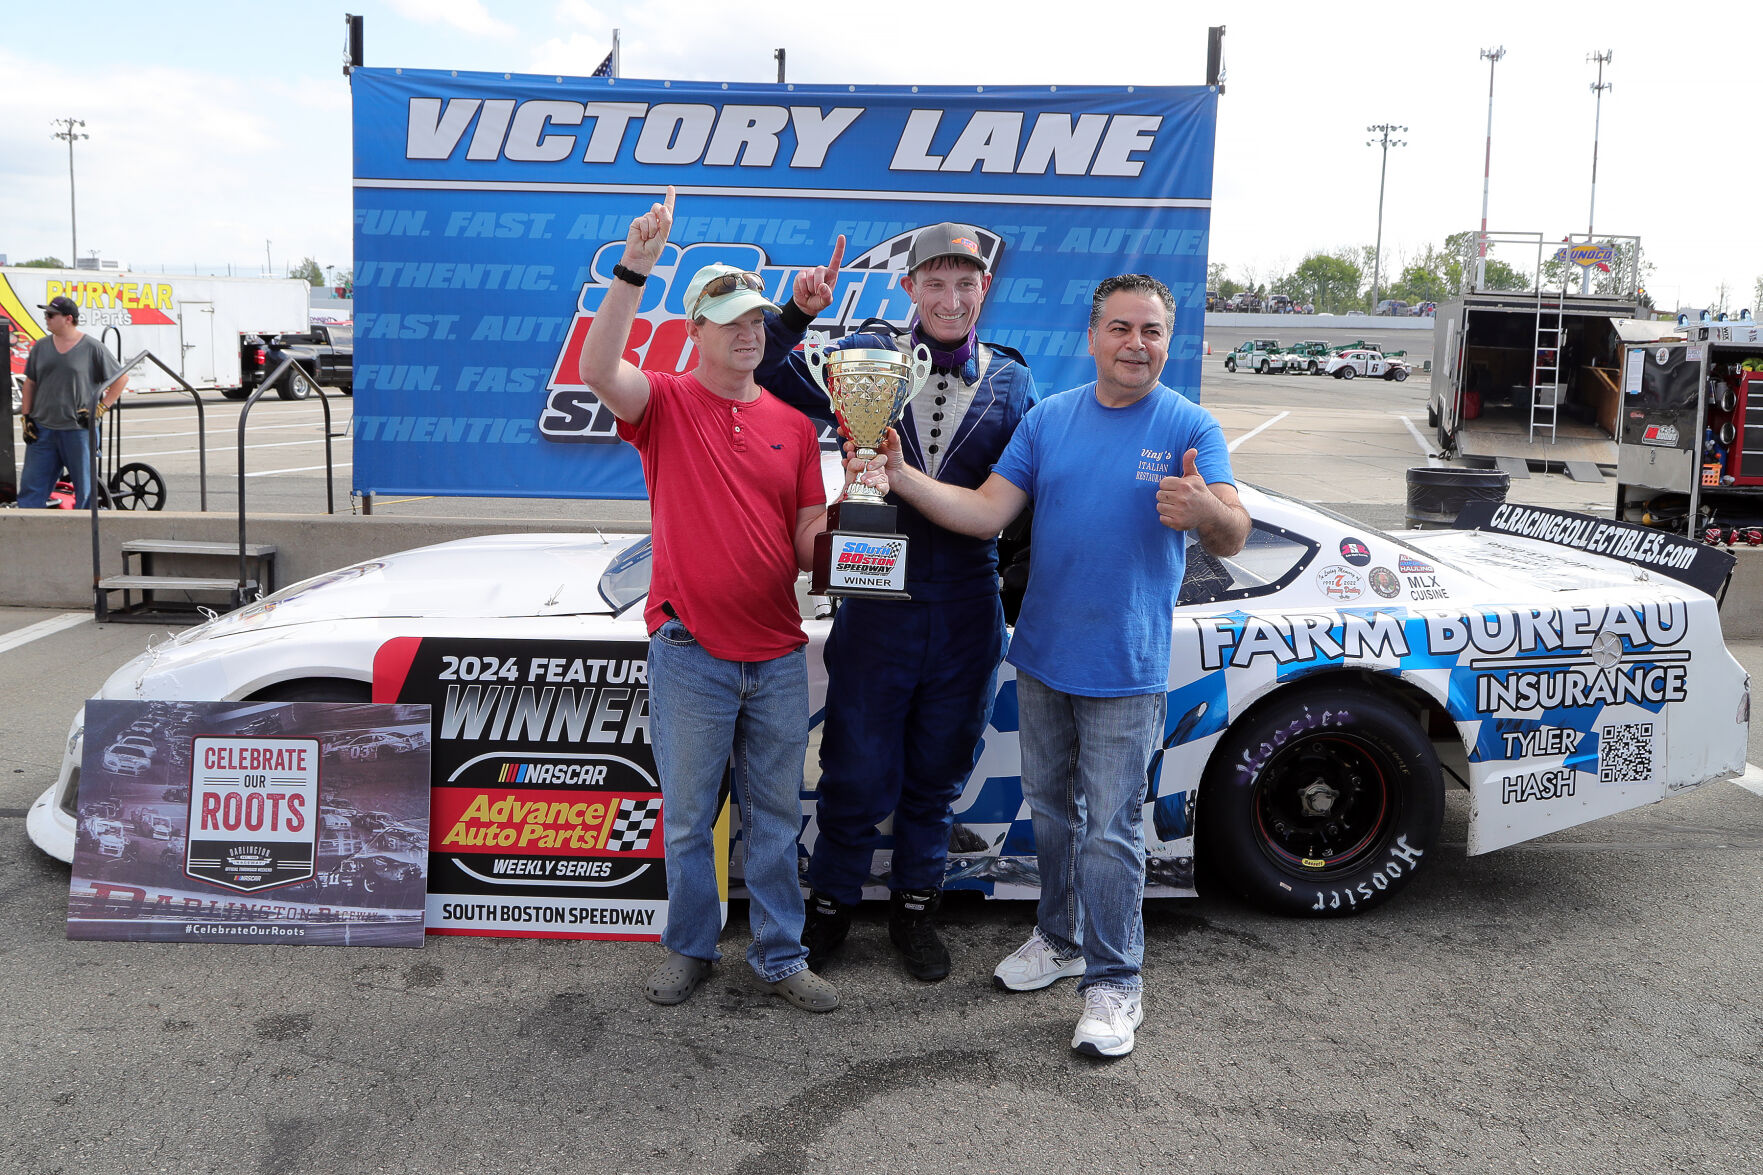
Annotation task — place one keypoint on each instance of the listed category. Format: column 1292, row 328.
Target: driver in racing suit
column 902, row 732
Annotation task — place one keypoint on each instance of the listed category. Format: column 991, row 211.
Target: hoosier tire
column 1320, row 804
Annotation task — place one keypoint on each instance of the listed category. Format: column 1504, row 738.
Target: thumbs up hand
column 1185, row 503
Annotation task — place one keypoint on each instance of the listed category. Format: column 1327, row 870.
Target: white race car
column 1365, row 361
column 1326, row 683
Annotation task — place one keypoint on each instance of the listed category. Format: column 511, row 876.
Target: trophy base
column 855, row 515
column 859, row 563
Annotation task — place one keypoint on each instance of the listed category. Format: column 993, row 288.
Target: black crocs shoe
column 915, row 936
column 825, row 928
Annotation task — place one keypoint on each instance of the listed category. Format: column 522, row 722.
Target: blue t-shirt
column 1104, row 573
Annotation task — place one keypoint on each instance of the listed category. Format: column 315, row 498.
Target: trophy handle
column 920, row 372
column 814, row 351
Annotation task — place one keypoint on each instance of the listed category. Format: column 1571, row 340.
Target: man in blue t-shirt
column 1118, row 472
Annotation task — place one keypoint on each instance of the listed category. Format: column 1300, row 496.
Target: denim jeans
column 1084, row 762
column 710, row 714
column 56, row 449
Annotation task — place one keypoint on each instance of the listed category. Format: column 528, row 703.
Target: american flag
column 604, row 69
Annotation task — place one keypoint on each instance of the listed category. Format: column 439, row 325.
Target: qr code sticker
column 1625, row 753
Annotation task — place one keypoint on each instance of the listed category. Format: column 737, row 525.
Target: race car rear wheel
column 1401, row 374
column 1321, row 803
column 1347, row 373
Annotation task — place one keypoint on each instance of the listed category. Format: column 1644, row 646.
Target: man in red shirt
column 736, row 499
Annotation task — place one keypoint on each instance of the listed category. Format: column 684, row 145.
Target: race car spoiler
column 1701, row 566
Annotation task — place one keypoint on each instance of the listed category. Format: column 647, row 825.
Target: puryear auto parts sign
column 490, row 208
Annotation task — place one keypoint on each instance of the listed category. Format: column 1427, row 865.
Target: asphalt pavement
column 1589, row 1001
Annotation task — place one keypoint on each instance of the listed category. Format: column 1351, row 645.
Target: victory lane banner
column 548, row 819
column 299, row 822
column 490, row 208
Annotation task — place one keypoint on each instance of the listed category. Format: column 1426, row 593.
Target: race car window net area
column 626, row 578
column 1270, row 559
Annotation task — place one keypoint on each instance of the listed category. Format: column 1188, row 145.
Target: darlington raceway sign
column 489, row 210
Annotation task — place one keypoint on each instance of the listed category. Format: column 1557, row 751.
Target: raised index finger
column 837, row 259
column 668, row 203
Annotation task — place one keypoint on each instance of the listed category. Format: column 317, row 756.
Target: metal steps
column 171, row 598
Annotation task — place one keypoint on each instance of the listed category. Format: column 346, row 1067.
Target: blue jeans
column 707, row 711
column 901, row 737
column 1084, row 763
column 56, row 449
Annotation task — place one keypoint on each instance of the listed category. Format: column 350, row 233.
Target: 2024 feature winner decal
column 547, row 814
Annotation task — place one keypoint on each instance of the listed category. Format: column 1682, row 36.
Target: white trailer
column 1532, row 376
column 192, row 324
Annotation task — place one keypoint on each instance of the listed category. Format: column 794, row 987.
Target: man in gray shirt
column 60, row 404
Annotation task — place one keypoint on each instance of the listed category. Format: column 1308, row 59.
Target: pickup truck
column 324, row 355
column 1263, row 355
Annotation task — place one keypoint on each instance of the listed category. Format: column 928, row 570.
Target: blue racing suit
column 909, row 682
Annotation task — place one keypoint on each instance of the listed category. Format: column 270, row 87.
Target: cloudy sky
column 215, row 128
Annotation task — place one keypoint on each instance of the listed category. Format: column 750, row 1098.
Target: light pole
column 67, row 132
column 1492, row 57
column 268, row 265
column 1383, row 129
column 1598, row 88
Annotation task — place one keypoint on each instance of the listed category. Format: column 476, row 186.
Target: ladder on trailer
column 1545, row 372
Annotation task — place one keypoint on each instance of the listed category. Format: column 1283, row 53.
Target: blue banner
column 490, row 208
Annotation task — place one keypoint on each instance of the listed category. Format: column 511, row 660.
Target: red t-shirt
column 725, row 481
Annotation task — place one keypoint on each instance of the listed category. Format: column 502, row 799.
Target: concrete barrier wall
column 1299, row 324
column 46, row 555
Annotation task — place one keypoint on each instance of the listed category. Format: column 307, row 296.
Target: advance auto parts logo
column 868, row 287
column 252, row 802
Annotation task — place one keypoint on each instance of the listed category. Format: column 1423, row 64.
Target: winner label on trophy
column 861, row 552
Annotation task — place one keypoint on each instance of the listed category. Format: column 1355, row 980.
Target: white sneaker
column 1106, row 1027
column 1034, row 965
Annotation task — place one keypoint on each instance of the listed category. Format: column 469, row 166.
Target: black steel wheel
column 137, row 486
column 1321, row 803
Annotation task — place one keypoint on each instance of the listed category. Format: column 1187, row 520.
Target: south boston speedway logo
column 869, row 285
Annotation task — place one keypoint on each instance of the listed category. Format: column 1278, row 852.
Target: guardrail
column 330, row 500
column 102, row 491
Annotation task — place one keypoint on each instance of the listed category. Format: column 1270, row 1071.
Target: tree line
column 1339, row 281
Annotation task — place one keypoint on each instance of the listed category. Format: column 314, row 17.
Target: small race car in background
column 1349, row 364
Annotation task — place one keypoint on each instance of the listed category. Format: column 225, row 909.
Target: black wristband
column 625, row 274
column 794, row 318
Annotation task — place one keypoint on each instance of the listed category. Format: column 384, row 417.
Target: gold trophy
column 861, row 552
